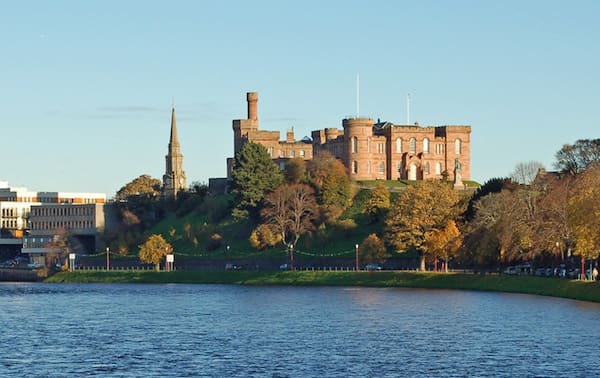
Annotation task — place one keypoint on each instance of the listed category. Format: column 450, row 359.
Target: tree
column 575, row 158
column 372, row 250
column 143, row 186
column 525, row 173
column 493, row 185
column 60, row 247
column 154, row 250
column 333, row 186
column 254, row 174
column 584, row 214
column 507, row 220
column 421, row 208
column 378, row 203
column 295, row 171
column 552, row 230
column 444, row 242
column 264, row 236
column 303, row 211
column 291, row 211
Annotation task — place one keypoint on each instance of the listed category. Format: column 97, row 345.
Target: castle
column 369, row 150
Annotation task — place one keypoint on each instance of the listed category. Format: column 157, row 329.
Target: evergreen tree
column 254, row 175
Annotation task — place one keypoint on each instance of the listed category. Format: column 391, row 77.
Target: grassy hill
column 209, row 230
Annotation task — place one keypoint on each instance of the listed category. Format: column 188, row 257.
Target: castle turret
column 357, row 135
column 252, row 98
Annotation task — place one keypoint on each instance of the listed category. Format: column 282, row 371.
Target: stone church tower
column 174, row 178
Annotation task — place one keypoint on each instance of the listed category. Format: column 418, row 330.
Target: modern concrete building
column 30, row 221
column 81, row 224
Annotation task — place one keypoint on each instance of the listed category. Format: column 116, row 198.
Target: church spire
column 174, row 178
column 174, row 140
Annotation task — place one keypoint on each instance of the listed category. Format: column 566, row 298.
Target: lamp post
column 107, row 259
column 292, row 257
column 356, row 247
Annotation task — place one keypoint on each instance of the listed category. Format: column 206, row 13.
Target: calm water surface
column 236, row 331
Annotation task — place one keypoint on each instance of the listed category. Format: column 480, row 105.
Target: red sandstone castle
column 369, row 150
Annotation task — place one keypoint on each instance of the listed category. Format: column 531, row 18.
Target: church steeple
column 174, row 178
column 174, row 140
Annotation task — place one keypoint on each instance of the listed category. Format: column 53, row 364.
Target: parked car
column 284, row 267
column 373, row 267
column 33, row 265
column 511, row 270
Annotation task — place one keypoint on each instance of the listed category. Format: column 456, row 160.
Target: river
column 177, row 330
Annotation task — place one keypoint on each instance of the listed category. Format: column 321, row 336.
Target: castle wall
column 369, row 151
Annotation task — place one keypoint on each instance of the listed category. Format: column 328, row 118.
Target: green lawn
column 574, row 289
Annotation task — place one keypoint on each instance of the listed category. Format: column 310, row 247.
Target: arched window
column 301, row 153
column 354, row 167
column 354, row 144
column 292, row 153
column 399, row 145
column 438, row 168
column 413, row 145
column 369, row 144
column 426, row 167
column 457, row 147
column 426, row 145
column 381, row 168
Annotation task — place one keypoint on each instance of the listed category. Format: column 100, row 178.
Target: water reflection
column 214, row 330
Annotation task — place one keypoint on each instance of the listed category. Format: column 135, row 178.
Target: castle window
column 281, row 153
column 354, row 145
column 369, row 167
column 399, row 168
column 282, row 166
column 369, row 144
column 439, row 149
column 438, row 168
column 457, row 147
column 381, row 168
column 426, row 167
column 270, row 150
column 426, row 145
column 301, row 153
column 380, row 148
column 355, row 167
column 399, row 145
column 292, row 153
column 413, row 145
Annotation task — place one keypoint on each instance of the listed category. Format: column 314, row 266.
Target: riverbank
column 573, row 289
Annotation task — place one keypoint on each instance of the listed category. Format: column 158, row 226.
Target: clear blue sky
column 86, row 86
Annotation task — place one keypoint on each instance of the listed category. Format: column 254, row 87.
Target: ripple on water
column 216, row 331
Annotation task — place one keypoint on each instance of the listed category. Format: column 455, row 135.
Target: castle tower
column 242, row 127
column 358, row 145
column 174, row 178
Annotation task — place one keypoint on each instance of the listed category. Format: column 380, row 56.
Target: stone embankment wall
column 18, row 275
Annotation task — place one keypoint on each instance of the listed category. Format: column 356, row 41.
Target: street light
column 107, row 259
column 292, row 256
column 356, row 246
